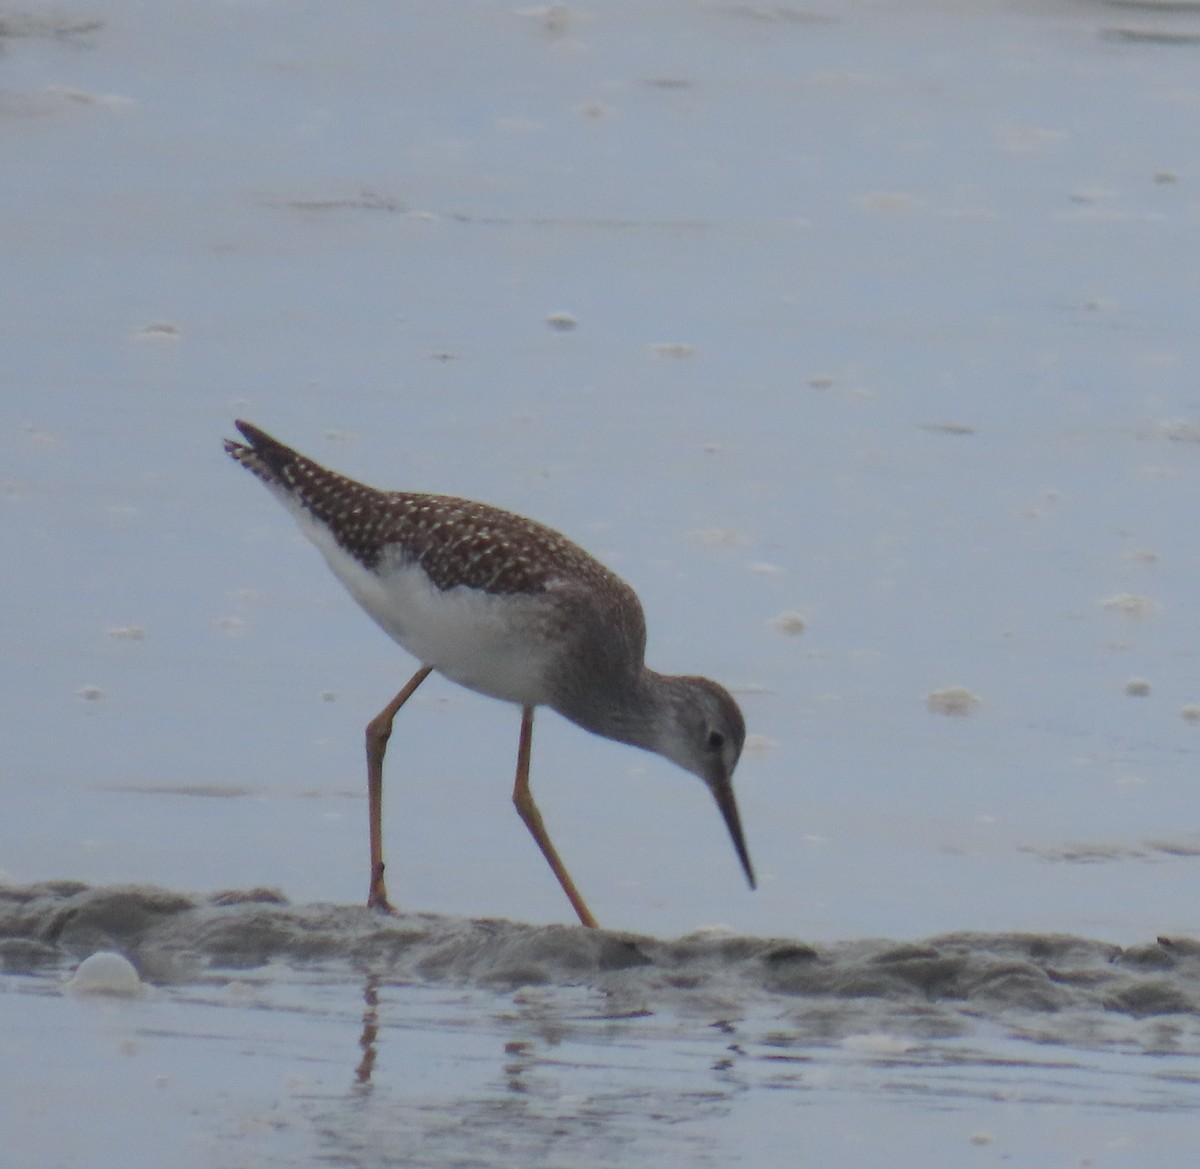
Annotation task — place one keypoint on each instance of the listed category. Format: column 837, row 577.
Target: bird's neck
column 634, row 709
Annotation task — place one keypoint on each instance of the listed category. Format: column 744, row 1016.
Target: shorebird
column 510, row 608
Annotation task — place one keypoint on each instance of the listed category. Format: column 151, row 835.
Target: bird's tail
column 266, row 457
column 312, row 492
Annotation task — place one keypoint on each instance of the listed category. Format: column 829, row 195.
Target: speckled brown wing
column 456, row 541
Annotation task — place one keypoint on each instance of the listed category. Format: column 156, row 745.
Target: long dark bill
column 722, row 791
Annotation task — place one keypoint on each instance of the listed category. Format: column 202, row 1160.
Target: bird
column 510, row 608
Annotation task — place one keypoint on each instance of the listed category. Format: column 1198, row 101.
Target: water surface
column 883, row 327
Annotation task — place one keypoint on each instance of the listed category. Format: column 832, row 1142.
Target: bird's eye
column 716, row 740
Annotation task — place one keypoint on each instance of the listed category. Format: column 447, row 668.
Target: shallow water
column 880, row 391
column 277, row 1034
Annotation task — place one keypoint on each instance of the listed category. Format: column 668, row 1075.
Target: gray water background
column 884, row 316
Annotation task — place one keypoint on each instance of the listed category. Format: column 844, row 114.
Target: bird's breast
column 495, row 644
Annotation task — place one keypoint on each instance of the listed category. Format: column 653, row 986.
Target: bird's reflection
column 370, row 1029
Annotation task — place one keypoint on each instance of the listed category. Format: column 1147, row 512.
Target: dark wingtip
column 265, row 455
column 250, row 432
column 252, row 435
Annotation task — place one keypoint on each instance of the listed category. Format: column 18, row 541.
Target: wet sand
column 923, row 989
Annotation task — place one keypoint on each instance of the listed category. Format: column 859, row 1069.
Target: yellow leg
column 379, row 730
column 527, row 810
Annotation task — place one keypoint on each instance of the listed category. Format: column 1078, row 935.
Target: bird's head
column 706, row 736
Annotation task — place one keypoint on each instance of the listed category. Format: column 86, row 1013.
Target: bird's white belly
column 486, row 642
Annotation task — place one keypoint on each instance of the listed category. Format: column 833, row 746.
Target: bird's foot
column 377, row 898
